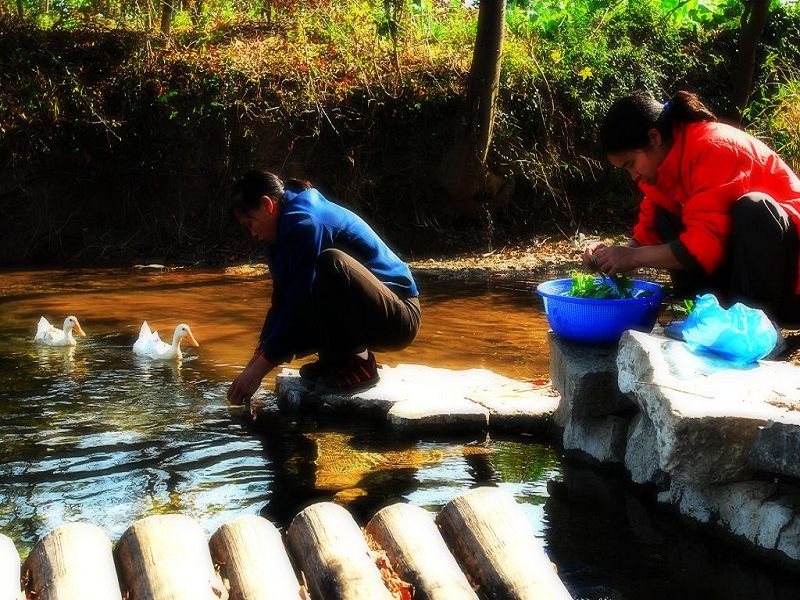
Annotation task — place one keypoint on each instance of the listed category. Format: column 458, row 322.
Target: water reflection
column 96, row 433
column 168, row 370
column 613, row 543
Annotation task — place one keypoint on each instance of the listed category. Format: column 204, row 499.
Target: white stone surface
column 449, row 415
column 706, row 413
column 416, row 397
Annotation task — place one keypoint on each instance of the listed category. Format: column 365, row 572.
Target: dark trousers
column 355, row 311
column 760, row 264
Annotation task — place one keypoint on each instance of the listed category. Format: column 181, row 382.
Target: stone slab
column 601, row 438
column 421, row 398
column 706, row 413
column 449, row 416
column 641, row 453
column 762, row 513
column 777, row 449
column 586, row 378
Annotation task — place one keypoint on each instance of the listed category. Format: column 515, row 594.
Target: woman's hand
column 248, row 381
column 615, row 259
column 588, row 255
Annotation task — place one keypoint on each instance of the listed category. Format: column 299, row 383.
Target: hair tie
column 666, row 106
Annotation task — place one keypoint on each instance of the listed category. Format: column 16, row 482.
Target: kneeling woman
column 337, row 289
column 721, row 210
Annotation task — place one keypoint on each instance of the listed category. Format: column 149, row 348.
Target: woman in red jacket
column 721, row 210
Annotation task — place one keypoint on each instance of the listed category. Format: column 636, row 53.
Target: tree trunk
column 267, row 11
column 393, row 8
column 166, row 16
column 754, row 19
column 484, row 75
column 473, row 190
column 20, row 10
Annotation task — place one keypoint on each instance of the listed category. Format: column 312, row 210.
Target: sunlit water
column 95, row 433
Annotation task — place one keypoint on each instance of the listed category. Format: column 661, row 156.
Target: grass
column 320, row 91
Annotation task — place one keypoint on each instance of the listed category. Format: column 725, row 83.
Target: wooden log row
column 404, row 555
column 162, row 557
column 9, row 570
column 490, row 537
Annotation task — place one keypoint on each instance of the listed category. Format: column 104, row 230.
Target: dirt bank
column 542, row 257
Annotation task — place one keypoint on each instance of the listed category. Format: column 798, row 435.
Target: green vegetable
column 682, row 308
column 616, row 287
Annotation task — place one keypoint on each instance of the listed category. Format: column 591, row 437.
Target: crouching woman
column 337, row 288
column 720, row 209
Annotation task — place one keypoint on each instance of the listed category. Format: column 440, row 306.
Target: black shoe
column 313, row 371
column 354, row 375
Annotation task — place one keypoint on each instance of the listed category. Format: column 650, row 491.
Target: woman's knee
column 757, row 208
column 330, row 257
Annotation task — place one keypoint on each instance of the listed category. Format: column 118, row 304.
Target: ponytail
column 628, row 122
column 685, row 107
column 297, row 185
column 253, row 185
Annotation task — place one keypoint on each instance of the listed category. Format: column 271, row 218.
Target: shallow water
column 94, row 433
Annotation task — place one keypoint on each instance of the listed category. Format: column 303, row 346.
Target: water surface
column 95, row 433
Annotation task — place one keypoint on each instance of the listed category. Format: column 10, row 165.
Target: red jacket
column 709, row 167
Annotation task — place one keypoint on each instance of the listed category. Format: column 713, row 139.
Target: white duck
column 150, row 344
column 51, row 336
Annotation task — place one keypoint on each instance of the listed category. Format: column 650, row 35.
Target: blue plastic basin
column 595, row 321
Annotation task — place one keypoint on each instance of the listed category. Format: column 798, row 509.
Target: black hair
column 628, row 122
column 253, row 185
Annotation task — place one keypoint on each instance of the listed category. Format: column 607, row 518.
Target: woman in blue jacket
column 337, row 288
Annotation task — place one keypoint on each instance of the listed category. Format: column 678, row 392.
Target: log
column 250, row 553
column 74, row 561
column 327, row 545
column 412, row 543
column 166, row 557
column 494, row 543
column 9, row 569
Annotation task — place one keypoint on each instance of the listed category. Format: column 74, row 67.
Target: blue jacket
column 307, row 225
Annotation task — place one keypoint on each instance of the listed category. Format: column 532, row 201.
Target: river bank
column 537, row 258
column 123, row 144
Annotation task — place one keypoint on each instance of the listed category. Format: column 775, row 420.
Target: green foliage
column 775, row 118
column 774, row 110
column 585, row 285
column 96, row 75
column 679, row 308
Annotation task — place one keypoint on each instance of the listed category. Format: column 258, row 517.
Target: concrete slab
column 641, row 453
column 586, row 378
column 706, row 413
column 777, row 449
column 601, row 438
column 762, row 513
column 421, row 398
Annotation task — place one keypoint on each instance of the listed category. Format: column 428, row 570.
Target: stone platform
column 415, row 398
column 720, row 442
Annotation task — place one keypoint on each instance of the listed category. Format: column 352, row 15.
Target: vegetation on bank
column 119, row 142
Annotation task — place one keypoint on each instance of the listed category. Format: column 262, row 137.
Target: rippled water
column 95, row 433
column 99, row 434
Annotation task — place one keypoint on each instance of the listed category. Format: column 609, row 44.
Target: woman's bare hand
column 248, row 381
column 589, row 260
column 612, row 260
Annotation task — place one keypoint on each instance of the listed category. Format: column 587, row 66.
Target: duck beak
column 192, row 341
column 78, row 329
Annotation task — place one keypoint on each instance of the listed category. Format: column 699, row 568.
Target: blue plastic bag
column 740, row 334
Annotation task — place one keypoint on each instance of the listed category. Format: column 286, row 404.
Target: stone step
column 416, row 398
column 707, row 413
